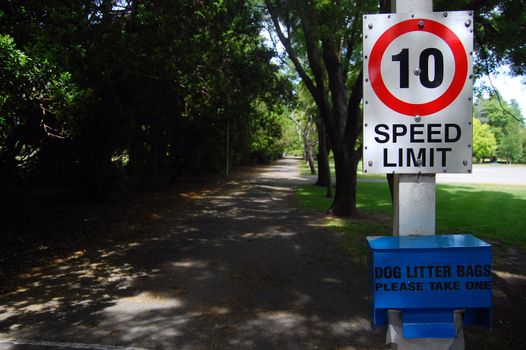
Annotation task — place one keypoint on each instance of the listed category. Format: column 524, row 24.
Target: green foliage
column 292, row 144
column 36, row 102
column 264, row 132
column 484, row 142
column 498, row 24
column 150, row 87
column 502, row 120
column 511, row 144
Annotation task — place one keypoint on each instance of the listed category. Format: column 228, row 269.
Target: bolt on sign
column 418, row 88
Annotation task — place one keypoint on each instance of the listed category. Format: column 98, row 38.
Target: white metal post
column 414, row 214
column 414, row 209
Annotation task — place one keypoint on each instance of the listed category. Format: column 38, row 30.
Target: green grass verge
column 495, row 213
column 304, row 169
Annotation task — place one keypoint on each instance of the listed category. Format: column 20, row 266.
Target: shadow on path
column 240, row 269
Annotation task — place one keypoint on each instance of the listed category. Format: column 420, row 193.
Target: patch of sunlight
column 223, row 197
column 275, row 188
column 146, row 301
column 273, row 232
column 509, row 276
column 4, row 315
column 218, row 310
column 281, row 175
column 238, row 193
column 261, row 200
column 354, row 325
column 196, row 195
column 379, row 203
column 280, row 320
column 454, row 189
column 336, row 223
column 107, row 254
column 75, row 255
column 213, row 310
column 26, row 307
column 196, row 264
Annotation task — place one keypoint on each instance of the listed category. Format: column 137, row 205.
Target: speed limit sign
column 418, row 86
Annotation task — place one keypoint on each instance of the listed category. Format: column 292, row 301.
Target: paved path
column 239, row 268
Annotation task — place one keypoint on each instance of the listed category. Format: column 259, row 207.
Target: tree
column 304, row 124
column 510, row 146
column 484, row 142
column 502, row 118
column 306, row 104
column 523, row 138
column 322, row 40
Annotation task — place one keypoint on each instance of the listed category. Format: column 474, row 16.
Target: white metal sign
column 418, row 87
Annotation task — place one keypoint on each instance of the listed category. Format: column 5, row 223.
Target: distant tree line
column 499, row 132
column 92, row 91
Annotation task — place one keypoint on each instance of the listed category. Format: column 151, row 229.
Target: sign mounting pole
column 414, row 214
column 418, row 89
column 414, row 195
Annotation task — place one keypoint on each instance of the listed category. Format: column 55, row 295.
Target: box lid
column 425, row 242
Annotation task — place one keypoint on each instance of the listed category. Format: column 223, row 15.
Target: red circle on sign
column 436, row 105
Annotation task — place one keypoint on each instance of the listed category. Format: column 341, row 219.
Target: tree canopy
column 146, row 89
column 503, row 120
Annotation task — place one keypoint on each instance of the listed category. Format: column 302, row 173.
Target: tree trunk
column 323, row 157
column 308, row 153
column 324, row 171
column 390, row 182
column 344, row 203
column 344, row 128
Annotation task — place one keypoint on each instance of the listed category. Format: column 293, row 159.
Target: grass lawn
column 494, row 213
column 304, row 168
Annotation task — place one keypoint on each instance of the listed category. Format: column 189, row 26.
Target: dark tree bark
column 324, row 171
column 344, row 127
column 308, row 155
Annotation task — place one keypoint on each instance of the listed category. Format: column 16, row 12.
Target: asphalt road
column 498, row 174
